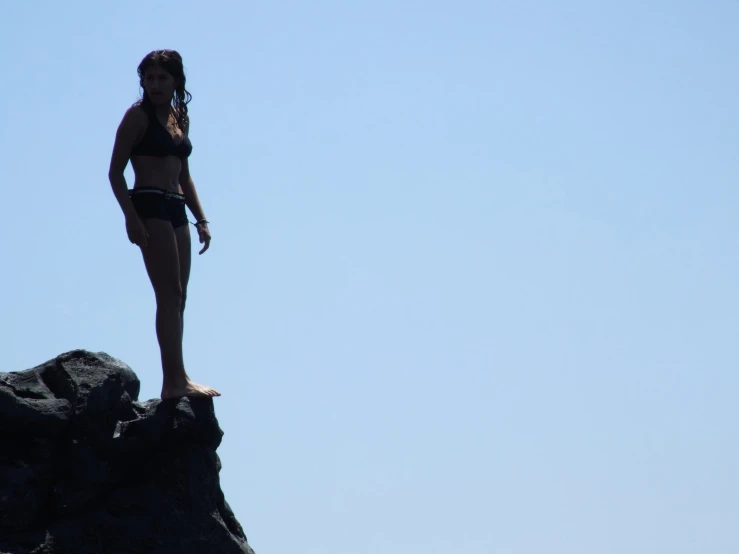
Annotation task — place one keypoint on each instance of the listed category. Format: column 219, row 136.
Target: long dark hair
column 171, row 62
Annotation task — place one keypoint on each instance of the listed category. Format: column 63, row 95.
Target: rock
column 86, row 468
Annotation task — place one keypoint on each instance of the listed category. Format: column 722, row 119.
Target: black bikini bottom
column 159, row 204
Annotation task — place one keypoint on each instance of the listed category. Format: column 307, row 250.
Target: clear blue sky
column 473, row 280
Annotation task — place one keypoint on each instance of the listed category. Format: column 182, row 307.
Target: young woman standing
column 154, row 136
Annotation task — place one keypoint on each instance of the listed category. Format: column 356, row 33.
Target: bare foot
column 188, row 389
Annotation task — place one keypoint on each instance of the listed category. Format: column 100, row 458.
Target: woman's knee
column 170, row 294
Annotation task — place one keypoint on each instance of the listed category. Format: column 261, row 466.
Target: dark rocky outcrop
column 87, row 469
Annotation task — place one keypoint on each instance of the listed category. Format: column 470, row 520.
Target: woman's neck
column 162, row 110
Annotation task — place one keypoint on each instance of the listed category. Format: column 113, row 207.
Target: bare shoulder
column 133, row 126
column 135, row 116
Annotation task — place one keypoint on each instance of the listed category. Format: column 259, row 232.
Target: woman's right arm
column 128, row 134
column 126, row 138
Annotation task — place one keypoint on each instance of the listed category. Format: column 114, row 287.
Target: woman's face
column 159, row 85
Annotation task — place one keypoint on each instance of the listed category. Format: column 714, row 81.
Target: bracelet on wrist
column 201, row 222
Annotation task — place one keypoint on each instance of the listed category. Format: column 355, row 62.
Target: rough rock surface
column 85, row 468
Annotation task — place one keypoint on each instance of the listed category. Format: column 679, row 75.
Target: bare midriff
column 158, row 172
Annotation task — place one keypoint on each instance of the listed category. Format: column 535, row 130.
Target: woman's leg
column 162, row 265
column 161, row 257
column 184, row 247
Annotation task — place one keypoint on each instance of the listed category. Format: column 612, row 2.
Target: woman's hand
column 203, row 235
column 136, row 230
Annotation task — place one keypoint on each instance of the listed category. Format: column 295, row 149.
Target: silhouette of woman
column 153, row 134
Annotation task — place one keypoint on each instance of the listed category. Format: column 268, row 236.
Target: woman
column 154, row 136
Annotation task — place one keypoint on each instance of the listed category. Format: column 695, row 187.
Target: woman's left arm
column 193, row 202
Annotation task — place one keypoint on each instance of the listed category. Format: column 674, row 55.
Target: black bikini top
column 158, row 141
